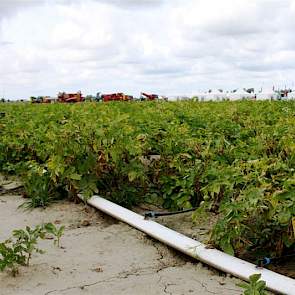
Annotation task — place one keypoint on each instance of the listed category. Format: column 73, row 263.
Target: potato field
column 233, row 160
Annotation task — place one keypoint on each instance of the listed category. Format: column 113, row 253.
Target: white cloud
column 170, row 47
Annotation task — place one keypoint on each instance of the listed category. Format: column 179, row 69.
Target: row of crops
column 235, row 160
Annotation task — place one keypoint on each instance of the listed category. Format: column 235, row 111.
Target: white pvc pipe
column 195, row 249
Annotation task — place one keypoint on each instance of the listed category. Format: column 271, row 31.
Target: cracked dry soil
column 101, row 256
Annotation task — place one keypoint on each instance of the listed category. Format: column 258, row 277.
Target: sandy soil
column 101, row 256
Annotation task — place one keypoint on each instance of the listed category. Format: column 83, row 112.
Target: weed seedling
column 28, row 239
column 11, row 255
column 19, row 248
column 56, row 232
column 255, row 286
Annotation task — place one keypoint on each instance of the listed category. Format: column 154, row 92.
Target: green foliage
column 234, row 159
column 55, row 231
column 18, row 250
column 11, row 256
column 27, row 239
column 255, row 286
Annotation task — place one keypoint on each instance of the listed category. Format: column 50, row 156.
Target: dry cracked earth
column 100, row 255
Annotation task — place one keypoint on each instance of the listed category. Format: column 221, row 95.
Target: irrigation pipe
column 215, row 258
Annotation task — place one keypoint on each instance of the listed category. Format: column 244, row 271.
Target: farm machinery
column 64, row 97
column 113, row 97
column 146, row 96
column 41, row 99
column 70, row 97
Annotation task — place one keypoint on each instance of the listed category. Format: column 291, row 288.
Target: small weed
column 19, row 248
column 28, row 239
column 255, row 286
column 12, row 255
column 56, row 232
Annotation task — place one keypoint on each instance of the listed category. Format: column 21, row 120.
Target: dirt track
column 102, row 256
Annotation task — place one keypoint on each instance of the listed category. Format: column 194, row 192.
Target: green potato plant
column 232, row 159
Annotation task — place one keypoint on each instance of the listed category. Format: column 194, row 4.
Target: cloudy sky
column 169, row 47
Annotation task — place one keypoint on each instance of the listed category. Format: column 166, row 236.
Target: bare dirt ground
column 101, row 256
